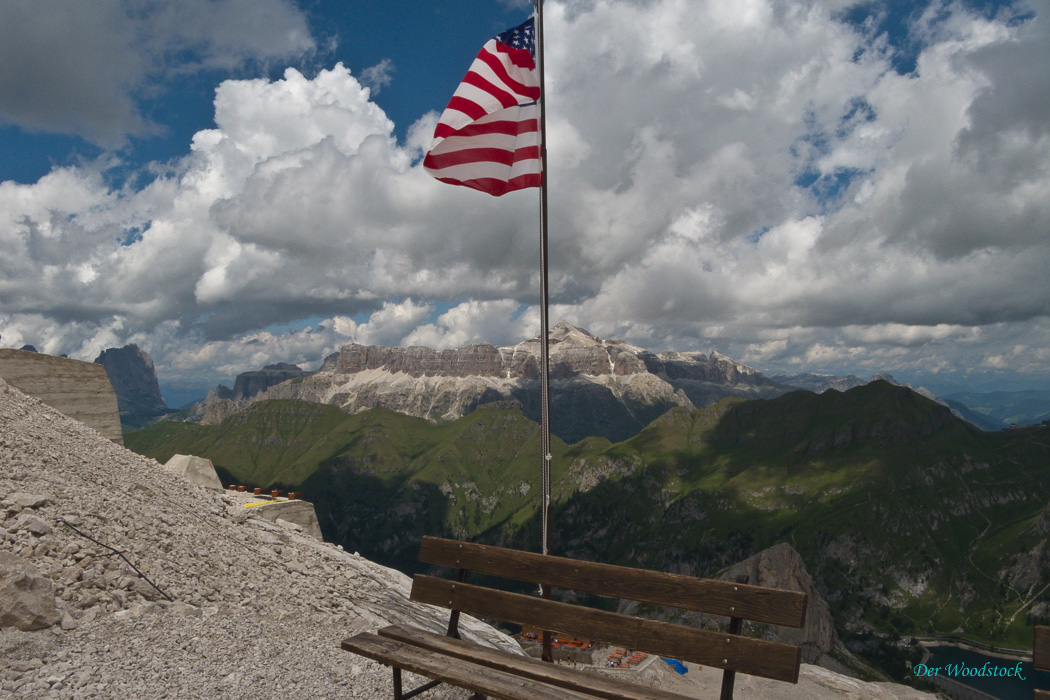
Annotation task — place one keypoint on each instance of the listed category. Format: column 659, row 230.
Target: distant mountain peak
column 564, row 326
column 130, row 371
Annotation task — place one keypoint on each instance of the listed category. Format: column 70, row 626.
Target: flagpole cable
column 545, row 514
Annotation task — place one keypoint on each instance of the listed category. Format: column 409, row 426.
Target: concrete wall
column 301, row 513
column 81, row 390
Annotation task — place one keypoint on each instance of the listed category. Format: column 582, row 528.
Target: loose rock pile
column 258, row 610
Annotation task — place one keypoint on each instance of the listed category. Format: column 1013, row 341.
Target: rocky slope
column 599, row 387
column 258, row 611
column 130, row 371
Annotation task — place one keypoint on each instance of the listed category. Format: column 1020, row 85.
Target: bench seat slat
column 479, row 679
column 1041, row 648
column 552, row 674
column 732, row 652
column 757, row 603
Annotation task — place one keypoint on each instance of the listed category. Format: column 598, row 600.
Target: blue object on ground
column 677, row 666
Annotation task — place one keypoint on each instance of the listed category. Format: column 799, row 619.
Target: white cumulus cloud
column 750, row 177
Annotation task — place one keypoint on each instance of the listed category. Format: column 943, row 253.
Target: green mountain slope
column 909, row 519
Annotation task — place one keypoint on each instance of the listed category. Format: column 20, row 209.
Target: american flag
column 488, row 137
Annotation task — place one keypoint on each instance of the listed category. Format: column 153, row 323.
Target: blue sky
column 426, row 43
column 821, row 185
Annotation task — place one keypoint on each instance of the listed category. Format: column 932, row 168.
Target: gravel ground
column 259, row 610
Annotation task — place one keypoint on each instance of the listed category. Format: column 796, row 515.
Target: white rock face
column 297, row 515
column 78, row 389
column 598, row 387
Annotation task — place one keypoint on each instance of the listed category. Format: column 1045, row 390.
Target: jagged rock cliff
column 781, row 567
column 222, row 402
column 130, row 371
column 598, row 387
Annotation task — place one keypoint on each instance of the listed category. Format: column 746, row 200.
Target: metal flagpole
column 544, row 320
column 545, row 407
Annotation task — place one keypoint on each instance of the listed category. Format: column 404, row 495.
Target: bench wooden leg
column 399, row 693
column 729, row 677
column 547, row 653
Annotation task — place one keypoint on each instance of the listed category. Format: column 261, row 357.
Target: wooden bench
column 498, row 674
column 1041, row 656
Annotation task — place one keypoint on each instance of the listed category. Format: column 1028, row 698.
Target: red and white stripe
column 488, row 138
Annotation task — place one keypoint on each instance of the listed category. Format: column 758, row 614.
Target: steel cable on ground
column 242, row 540
column 121, row 555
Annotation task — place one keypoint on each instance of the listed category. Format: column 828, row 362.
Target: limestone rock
column 248, row 384
column 27, row 599
column 28, row 500
column 781, row 567
column 32, row 524
column 214, row 409
column 599, row 387
column 130, row 371
column 197, row 470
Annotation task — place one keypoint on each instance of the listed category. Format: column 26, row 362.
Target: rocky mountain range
column 819, row 383
column 605, row 388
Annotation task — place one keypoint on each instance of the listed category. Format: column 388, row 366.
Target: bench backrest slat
column 1041, row 648
column 787, row 608
column 736, row 653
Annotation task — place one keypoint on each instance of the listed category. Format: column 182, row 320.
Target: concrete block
column 295, row 512
column 196, row 469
